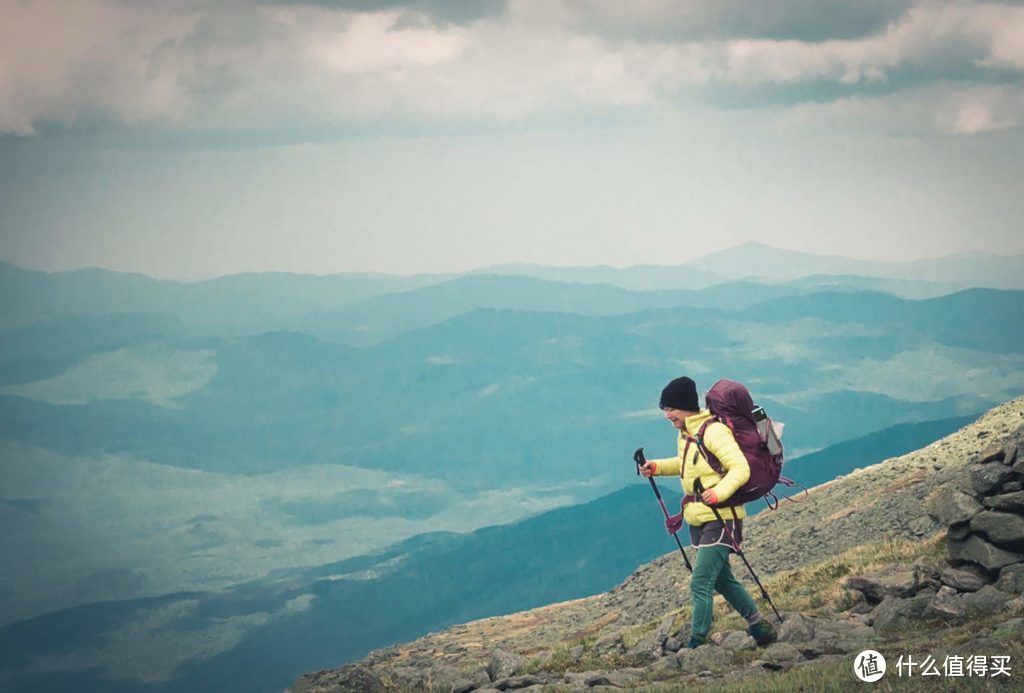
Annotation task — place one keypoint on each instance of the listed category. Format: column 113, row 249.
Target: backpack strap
column 699, row 440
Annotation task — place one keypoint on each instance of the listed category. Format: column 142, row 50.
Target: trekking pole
column 698, row 490
column 638, row 457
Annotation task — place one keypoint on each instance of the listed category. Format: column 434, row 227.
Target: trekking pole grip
column 640, row 460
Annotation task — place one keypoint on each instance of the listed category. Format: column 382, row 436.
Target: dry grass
column 813, row 590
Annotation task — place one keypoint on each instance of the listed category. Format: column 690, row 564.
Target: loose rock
column 1012, row 629
column 986, row 478
column 704, row 658
column 946, row 606
column 517, row 682
column 1011, row 579
column 780, row 653
column 992, row 453
column 1010, row 502
column 895, row 614
column 896, row 581
column 796, row 628
column 963, row 579
column 976, row 550
column 950, row 506
column 504, row 665
column 987, row 600
column 958, row 532
column 737, row 641
column 1000, row 528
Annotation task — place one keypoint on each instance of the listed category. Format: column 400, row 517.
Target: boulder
column 947, row 606
column 673, row 644
column 852, row 598
column 584, row 678
column 929, row 567
column 647, row 649
column 622, row 678
column 664, row 668
column 851, row 628
column 976, row 550
column 986, row 478
column 837, row 637
column 993, row 452
column 441, row 675
column 987, row 600
column 1011, row 579
column 504, row 665
column 513, row 683
column 895, row 614
column 966, row 579
column 796, row 628
column 473, row 681
column 927, row 578
column 651, row 646
column 861, row 608
column 737, row 641
column 1012, row 486
column 1008, row 502
column 1001, row 528
column 359, row 677
column 412, row 677
column 1010, row 453
column 893, row 580
column 1012, row 629
column 780, row 653
column 958, row 532
column 704, row 658
column 609, row 642
column 950, row 506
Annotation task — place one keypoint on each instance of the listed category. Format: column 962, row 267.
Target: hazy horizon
column 510, row 265
column 201, row 139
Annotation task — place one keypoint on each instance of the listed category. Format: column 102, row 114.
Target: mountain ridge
column 837, row 519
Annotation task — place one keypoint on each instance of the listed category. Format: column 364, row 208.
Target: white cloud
column 372, row 43
column 61, row 60
column 977, row 117
column 238, row 66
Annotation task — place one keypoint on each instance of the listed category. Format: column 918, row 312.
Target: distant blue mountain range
column 163, row 437
column 420, row 585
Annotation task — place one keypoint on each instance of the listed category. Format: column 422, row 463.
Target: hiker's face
column 677, row 417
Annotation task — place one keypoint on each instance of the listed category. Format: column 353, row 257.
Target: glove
column 674, row 523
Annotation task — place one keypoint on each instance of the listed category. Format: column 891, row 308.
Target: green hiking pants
column 712, row 573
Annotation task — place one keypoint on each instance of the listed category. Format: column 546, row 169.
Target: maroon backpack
column 731, row 404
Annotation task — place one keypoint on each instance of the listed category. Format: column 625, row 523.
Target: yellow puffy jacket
column 720, row 442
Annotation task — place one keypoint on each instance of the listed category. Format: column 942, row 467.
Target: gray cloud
column 444, row 11
column 697, row 20
column 262, row 67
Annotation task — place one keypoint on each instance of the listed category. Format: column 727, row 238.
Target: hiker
column 713, row 541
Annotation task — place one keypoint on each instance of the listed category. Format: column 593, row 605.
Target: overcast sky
column 192, row 138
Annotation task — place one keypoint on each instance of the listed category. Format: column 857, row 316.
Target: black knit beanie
column 681, row 393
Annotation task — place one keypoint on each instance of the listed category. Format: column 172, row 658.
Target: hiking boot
column 696, row 641
column 763, row 633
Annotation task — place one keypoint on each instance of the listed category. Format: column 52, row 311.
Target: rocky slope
column 886, row 525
